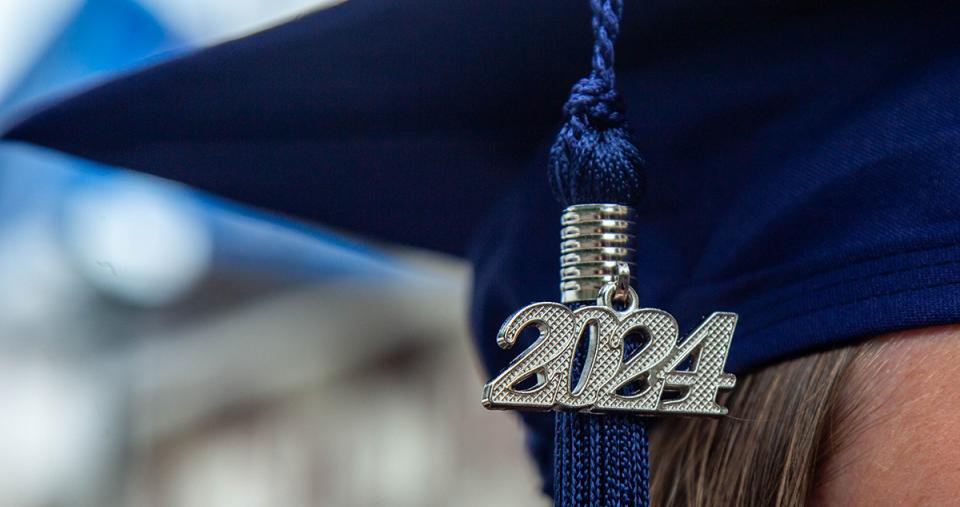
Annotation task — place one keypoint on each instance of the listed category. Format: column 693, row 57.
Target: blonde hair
column 783, row 420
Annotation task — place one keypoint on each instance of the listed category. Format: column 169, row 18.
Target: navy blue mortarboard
column 803, row 161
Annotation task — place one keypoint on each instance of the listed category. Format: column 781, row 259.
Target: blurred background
column 160, row 347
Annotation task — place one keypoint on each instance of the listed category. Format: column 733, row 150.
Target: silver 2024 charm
column 666, row 376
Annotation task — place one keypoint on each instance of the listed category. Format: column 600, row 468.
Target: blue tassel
column 594, row 159
column 598, row 460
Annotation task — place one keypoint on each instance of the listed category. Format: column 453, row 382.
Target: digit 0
column 603, row 358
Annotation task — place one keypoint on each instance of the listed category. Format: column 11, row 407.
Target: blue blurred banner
column 100, row 39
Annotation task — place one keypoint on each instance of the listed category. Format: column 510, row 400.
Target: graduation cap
column 802, row 161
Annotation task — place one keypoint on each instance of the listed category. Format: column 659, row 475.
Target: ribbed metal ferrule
column 594, row 238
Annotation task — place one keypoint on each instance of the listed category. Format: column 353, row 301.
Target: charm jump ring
column 608, row 297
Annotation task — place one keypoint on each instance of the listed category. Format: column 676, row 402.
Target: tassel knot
column 594, row 159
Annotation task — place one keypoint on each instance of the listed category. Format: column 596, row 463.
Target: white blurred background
column 159, row 347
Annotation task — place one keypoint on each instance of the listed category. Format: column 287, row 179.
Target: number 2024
column 606, row 374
